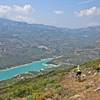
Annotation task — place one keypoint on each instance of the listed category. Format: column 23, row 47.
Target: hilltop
column 59, row 84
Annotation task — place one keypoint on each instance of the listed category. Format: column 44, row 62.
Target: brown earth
column 86, row 89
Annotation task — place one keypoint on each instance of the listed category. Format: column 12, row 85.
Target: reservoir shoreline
column 22, row 69
column 25, row 64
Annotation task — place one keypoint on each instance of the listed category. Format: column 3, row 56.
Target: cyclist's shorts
column 78, row 73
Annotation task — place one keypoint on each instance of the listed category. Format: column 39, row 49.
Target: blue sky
column 61, row 13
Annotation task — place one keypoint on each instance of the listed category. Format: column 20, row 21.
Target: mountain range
column 22, row 43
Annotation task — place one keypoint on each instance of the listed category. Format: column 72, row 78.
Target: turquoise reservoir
column 12, row 72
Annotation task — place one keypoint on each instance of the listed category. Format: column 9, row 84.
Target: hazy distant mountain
column 22, row 43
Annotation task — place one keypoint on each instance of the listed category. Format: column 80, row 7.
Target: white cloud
column 88, row 12
column 59, row 12
column 17, row 12
column 23, row 9
column 85, row 1
column 20, row 17
column 4, row 9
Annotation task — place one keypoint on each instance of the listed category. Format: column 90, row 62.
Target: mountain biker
column 98, row 68
column 78, row 72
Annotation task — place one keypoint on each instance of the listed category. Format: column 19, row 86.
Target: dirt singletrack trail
column 87, row 89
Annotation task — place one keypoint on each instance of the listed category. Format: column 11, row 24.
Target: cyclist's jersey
column 98, row 67
column 78, row 69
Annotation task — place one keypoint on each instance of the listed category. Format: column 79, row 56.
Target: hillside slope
column 57, row 85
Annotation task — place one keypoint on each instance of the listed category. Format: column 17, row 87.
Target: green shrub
column 22, row 92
